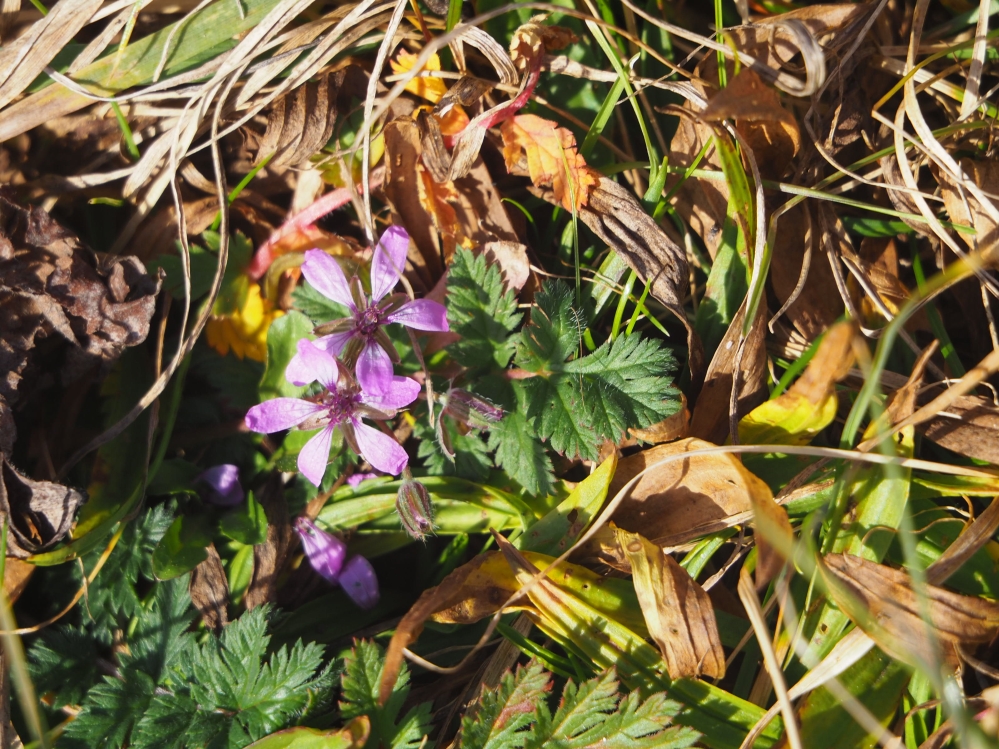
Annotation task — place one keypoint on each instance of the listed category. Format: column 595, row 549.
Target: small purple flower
column 326, row 554
column 360, row 338
column 225, row 489
column 341, row 406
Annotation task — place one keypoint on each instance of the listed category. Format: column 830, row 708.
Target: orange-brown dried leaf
column 552, row 158
column 534, row 38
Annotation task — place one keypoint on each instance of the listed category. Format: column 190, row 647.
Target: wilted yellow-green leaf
column 809, row 405
column 677, row 610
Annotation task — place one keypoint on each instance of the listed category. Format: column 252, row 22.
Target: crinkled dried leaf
column 870, row 592
column 809, row 405
column 677, row 610
column 52, row 286
column 534, row 38
column 985, row 174
column 38, row 513
column 552, row 158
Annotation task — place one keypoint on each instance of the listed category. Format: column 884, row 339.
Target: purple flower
column 341, row 406
column 326, row 554
column 223, row 481
column 355, row 479
column 360, row 338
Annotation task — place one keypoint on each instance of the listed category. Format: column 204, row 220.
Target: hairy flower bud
column 469, row 409
column 415, row 508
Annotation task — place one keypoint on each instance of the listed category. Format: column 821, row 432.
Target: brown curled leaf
column 209, row 589
column 60, row 301
column 38, row 513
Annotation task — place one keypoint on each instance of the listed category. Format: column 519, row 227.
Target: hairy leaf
column 481, row 311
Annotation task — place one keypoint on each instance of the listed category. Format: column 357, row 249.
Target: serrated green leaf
column 471, row 456
column 559, row 413
column 503, row 714
column 315, row 306
column 359, row 691
column 481, row 311
column 109, row 711
column 554, row 331
column 517, row 449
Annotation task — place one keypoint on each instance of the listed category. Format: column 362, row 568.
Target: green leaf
column 184, row 546
column 481, row 311
column 63, row 661
column 312, row 738
column 578, row 401
column 359, row 690
column 316, row 306
column 282, row 344
column 503, row 714
column 517, row 449
column 247, row 523
column 589, row 715
column 471, row 456
column 109, row 711
column 557, row 530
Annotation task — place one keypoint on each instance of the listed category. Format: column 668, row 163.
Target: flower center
column 367, row 322
column 341, row 405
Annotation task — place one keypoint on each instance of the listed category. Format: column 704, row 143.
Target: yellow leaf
column 552, row 158
column 243, row 330
column 431, row 89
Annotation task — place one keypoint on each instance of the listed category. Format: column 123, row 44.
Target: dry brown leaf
column 38, row 513
column 798, row 251
column 299, row 124
column 532, row 39
column 511, row 257
column 867, row 591
column 969, row 427
column 712, row 419
column 985, row 174
column 678, row 612
column 552, row 158
column 675, row 502
column 768, row 129
column 975, row 535
column 270, row 556
column 16, row 575
column 209, row 590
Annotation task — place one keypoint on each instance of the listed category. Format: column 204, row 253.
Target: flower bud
column 325, row 551
column 415, row 508
column 223, row 480
column 360, row 582
column 471, row 410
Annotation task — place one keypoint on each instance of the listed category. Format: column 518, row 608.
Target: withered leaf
column 712, row 419
column 969, row 426
column 677, row 610
column 985, row 174
column 679, row 500
column 300, row 123
column 552, row 158
column 270, row 556
column 51, row 287
column 209, row 589
column 867, row 591
column 38, row 513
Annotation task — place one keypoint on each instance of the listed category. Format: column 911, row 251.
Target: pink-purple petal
column 389, row 261
column 421, row 314
column 324, row 551
column 380, row 450
column 280, row 413
column 359, row 581
column 312, row 364
column 401, row 392
column 334, row 342
column 374, row 368
column 315, row 455
column 224, row 481
column 327, row 277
